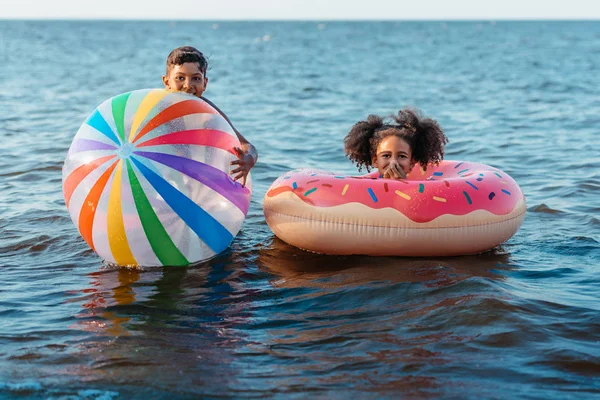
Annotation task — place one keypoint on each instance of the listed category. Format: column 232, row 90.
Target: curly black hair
column 184, row 54
column 424, row 135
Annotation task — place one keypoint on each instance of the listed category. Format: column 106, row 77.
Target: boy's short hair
column 187, row 54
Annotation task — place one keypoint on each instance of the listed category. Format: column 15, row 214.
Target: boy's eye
column 196, row 78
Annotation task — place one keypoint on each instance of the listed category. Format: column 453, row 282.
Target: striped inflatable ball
column 146, row 180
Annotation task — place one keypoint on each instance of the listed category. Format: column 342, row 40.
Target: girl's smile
column 393, row 155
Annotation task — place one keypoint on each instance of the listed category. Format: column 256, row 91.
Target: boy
column 186, row 72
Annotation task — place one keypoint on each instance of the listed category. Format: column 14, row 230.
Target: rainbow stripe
column 146, row 180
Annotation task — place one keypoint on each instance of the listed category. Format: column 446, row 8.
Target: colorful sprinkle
column 385, row 187
column 479, row 179
column 372, row 195
column 421, row 188
column 309, row 191
column 294, row 186
column 403, row 195
column 506, row 192
column 447, row 183
column 465, row 175
column 339, row 177
column 470, row 184
column 313, row 174
column 438, row 173
column 463, row 171
column 458, row 165
column 440, row 199
column 498, row 175
column 326, row 185
column 504, row 182
column 491, row 196
column 344, row 190
column 313, row 181
column 467, row 197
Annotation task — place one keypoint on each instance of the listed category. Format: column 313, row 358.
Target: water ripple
column 265, row 319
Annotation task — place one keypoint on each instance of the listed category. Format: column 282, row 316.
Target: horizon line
column 451, row 19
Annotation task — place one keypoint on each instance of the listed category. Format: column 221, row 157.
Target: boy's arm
column 247, row 153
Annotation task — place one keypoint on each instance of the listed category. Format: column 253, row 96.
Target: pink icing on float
column 453, row 208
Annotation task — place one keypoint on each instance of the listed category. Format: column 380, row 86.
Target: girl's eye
column 196, row 78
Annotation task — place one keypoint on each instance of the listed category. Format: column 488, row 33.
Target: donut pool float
column 454, row 208
column 146, row 180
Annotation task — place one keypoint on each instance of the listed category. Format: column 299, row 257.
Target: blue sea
column 265, row 319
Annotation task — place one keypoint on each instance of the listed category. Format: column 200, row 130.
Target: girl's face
column 186, row 77
column 393, row 149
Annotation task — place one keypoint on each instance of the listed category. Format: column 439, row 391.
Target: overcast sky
column 301, row 9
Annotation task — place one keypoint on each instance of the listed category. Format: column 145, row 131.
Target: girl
column 394, row 148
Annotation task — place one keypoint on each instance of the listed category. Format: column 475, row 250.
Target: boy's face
column 187, row 78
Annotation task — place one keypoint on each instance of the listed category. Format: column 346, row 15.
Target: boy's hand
column 394, row 171
column 245, row 162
